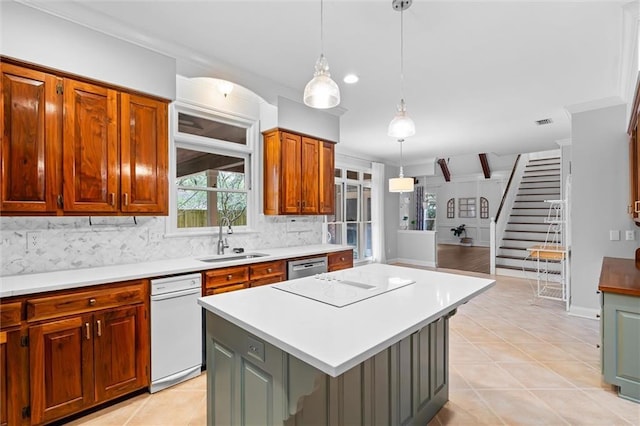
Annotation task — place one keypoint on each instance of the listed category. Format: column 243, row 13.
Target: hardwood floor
column 462, row 258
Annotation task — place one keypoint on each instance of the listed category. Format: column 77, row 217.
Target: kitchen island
column 366, row 354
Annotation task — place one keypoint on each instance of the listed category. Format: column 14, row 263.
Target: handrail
column 506, row 191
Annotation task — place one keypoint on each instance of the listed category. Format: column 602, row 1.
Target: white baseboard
column 427, row 263
column 578, row 311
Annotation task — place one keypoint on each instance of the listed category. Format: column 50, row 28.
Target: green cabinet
column 621, row 343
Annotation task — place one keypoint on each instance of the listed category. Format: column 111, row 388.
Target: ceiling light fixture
column 401, row 183
column 402, row 125
column 321, row 92
column 350, row 78
column 225, row 87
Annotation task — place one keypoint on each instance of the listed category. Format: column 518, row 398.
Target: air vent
column 544, row 121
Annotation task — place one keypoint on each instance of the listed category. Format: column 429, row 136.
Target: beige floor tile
column 168, row 407
column 199, row 416
column 515, row 334
column 520, row 407
column 456, row 381
column 504, row 352
column 478, row 333
column 628, row 410
column 578, row 373
column 543, row 351
column 533, row 375
column 487, row 376
column 577, row 408
column 581, row 351
column 466, row 408
column 114, row 415
column 460, row 353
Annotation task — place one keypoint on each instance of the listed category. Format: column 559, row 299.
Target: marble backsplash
column 72, row 242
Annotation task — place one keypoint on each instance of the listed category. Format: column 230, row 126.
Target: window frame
column 360, row 183
column 246, row 152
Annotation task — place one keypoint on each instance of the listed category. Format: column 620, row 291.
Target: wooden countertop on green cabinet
column 619, row 276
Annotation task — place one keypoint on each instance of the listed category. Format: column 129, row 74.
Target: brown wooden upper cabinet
column 298, row 174
column 80, row 147
column 634, row 169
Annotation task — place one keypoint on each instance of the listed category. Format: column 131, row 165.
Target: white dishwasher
column 176, row 330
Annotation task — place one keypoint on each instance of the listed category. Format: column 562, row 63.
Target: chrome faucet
column 223, row 244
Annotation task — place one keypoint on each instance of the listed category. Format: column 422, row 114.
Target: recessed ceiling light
column 350, row 78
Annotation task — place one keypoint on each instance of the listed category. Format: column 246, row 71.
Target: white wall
column 600, row 195
column 298, row 117
column 466, row 187
column 33, row 36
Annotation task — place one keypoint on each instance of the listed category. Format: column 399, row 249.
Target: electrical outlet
column 34, row 240
column 614, row 235
column 629, row 235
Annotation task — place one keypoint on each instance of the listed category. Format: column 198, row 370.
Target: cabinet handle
column 268, row 270
column 636, row 206
column 125, row 199
column 342, row 258
column 87, row 330
column 60, row 201
column 92, row 302
column 99, row 328
column 229, row 277
column 112, row 199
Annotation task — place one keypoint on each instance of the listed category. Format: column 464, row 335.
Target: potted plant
column 459, row 232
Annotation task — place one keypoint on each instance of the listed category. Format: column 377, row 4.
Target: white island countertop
column 18, row 285
column 335, row 339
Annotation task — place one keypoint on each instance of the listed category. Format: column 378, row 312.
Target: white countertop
column 334, row 339
column 17, row 285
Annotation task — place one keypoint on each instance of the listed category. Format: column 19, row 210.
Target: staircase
column 527, row 224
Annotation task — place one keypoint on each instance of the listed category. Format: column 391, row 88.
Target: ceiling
column 477, row 74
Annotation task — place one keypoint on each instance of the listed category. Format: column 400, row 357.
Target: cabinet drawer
column 226, row 276
column 266, row 269
column 84, row 301
column 340, row 260
column 10, row 314
column 225, row 289
column 268, row 280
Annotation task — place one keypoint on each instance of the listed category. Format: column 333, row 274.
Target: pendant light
column 321, row 92
column 402, row 126
column 401, row 183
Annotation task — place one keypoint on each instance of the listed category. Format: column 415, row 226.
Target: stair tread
column 517, row 268
column 533, row 232
column 544, row 159
column 537, row 176
column 503, row 256
column 523, row 239
column 540, row 187
column 527, row 223
column 513, row 248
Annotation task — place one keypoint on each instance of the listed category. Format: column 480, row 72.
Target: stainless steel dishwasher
column 176, row 330
column 306, row 267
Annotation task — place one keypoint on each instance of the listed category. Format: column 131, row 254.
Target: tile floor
column 513, row 360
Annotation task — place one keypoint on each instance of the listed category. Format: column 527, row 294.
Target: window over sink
column 212, row 169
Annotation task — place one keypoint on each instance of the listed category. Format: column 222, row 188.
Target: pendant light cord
column 321, row 27
column 402, row 52
column 401, row 160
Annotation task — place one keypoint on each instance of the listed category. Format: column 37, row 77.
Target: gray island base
column 396, row 373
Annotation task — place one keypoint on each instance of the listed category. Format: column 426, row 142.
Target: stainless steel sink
column 235, row 257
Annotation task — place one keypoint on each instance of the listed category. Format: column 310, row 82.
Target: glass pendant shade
column 402, row 126
column 321, row 92
column 401, row 184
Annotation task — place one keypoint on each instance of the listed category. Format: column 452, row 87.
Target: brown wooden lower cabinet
column 340, row 260
column 89, row 350
column 61, row 363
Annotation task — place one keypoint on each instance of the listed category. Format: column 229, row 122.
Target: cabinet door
column 31, row 114
column 310, row 155
column 61, row 365
column 271, row 173
column 634, row 172
column 4, row 396
column 90, row 148
column 290, row 163
column 121, row 351
column 144, row 155
column 326, row 180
